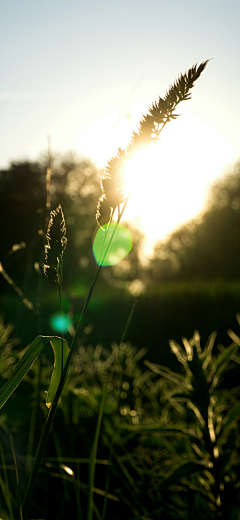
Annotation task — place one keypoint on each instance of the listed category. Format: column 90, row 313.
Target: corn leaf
column 22, row 367
column 61, row 350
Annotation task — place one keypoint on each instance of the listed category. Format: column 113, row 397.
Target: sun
column 169, row 182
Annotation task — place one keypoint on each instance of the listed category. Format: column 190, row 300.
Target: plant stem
column 93, row 454
column 61, row 309
column 128, row 321
column 48, row 423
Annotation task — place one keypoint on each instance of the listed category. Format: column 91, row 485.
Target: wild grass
column 119, row 439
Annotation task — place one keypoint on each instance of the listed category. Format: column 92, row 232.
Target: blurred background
column 76, row 78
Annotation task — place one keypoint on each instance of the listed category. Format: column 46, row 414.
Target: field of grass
column 167, row 447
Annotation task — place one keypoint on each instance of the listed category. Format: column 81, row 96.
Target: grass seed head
column 56, row 245
column 150, row 126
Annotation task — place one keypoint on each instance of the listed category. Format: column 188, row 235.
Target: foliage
column 168, row 444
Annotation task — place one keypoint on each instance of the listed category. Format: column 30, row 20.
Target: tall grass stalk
column 5, row 485
column 93, row 454
column 47, row 426
column 113, row 197
column 17, row 480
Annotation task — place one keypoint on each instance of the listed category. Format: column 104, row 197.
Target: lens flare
column 120, row 245
column 60, row 322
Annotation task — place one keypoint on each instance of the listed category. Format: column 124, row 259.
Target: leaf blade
column 61, row 350
column 22, row 367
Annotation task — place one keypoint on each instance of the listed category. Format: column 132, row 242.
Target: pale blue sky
column 66, row 64
column 64, row 59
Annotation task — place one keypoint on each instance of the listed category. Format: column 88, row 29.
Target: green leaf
column 61, row 350
column 235, row 412
column 22, row 367
column 28, row 359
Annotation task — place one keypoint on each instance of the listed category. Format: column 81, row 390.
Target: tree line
column 207, row 247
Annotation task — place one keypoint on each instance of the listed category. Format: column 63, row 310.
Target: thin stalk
column 114, row 427
column 61, row 310
column 59, row 455
column 32, row 423
column 5, row 488
column 17, row 479
column 45, row 431
column 48, row 180
column 36, row 397
column 105, row 234
column 128, row 321
column 77, row 492
column 107, row 486
column 48, row 423
column 93, row 455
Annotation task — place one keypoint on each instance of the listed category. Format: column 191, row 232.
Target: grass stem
column 48, row 423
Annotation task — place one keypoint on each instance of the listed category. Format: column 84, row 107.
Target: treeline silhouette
column 75, row 184
column 192, row 282
column 208, row 247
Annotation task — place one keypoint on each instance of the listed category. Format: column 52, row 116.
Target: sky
column 83, row 72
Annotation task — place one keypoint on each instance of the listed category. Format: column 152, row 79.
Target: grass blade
column 92, row 463
column 61, row 350
column 5, row 487
column 22, row 367
column 17, row 479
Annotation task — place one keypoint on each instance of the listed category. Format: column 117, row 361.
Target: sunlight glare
column 169, row 182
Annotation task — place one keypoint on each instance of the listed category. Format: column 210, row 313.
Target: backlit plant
column 113, row 197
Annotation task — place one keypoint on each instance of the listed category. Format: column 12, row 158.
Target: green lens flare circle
column 60, row 322
column 120, row 245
